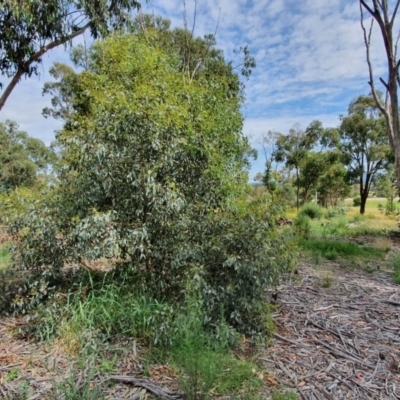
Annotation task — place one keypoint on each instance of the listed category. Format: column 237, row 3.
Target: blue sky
column 310, row 62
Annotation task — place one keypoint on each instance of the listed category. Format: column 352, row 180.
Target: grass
column 331, row 249
column 5, row 257
column 173, row 335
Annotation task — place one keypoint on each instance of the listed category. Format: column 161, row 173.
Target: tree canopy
column 364, row 144
column 28, row 29
column 21, row 157
column 153, row 174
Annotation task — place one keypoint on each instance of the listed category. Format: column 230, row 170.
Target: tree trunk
column 364, row 198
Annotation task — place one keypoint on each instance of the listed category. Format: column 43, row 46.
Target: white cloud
column 310, row 59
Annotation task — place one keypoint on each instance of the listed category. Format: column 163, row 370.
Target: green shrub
column 333, row 212
column 395, row 263
column 312, row 210
column 121, row 196
column 302, row 226
column 357, row 201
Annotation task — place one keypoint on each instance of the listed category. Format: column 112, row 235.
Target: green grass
column 5, row 257
column 173, row 335
column 332, row 250
column 395, row 263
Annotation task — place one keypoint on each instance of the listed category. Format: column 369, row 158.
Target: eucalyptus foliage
column 28, row 29
column 153, row 177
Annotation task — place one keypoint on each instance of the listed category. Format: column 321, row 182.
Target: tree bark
column 364, row 198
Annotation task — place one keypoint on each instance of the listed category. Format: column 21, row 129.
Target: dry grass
column 383, row 244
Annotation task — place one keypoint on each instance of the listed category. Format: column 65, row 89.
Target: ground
column 337, row 342
column 337, row 336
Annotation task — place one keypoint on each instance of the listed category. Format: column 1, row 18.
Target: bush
column 122, row 197
column 302, row 226
column 395, row 263
column 333, row 212
column 357, row 201
column 312, row 210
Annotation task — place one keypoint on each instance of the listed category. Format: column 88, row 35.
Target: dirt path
column 338, row 342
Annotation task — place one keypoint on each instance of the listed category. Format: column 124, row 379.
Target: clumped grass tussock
column 284, row 396
column 335, row 249
column 382, row 244
column 110, row 310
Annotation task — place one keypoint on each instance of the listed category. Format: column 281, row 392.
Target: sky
column 310, row 58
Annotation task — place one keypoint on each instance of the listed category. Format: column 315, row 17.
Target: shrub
column 302, row 226
column 333, row 212
column 312, row 210
column 122, row 197
column 357, row 201
column 395, row 263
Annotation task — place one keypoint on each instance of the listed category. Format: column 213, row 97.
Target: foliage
column 61, row 90
column 386, row 186
column 333, row 212
column 364, row 144
column 294, row 147
column 284, row 396
column 31, row 28
column 302, row 226
column 5, row 257
column 395, row 263
column 152, row 176
column 21, row 157
column 357, row 201
column 330, row 249
column 206, row 363
column 333, row 185
column 312, row 210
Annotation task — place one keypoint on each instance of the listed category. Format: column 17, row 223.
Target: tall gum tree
column 385, row 19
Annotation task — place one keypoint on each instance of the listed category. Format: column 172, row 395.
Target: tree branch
column 35, row 57
column 394, row 13
column 367, row 41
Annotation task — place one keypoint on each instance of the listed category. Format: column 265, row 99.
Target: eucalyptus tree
column 21, row 157
column 29, row 29
column 293, row 148
column 154, row 174
column 384, row 13
column 364, row 144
